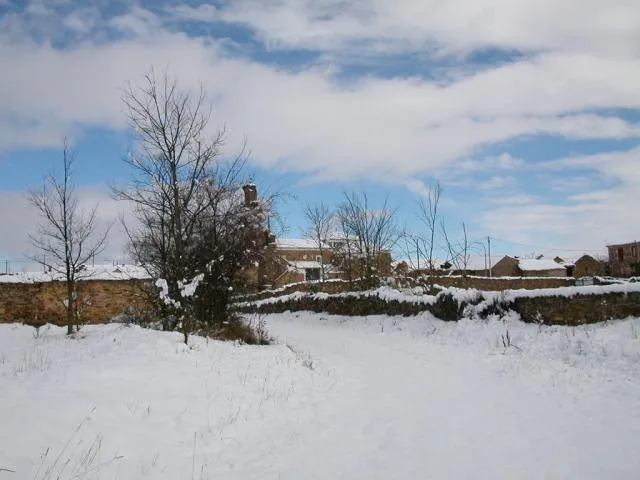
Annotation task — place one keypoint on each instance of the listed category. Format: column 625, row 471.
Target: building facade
column 587, row 266
column 528, row 267
column 293, row 260
column 506, row 267
column 624, row 259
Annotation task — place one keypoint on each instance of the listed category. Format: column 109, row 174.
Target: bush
column 447, row 308
column 238, row 329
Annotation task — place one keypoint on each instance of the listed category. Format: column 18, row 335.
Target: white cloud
column 201, row 13
column 499, row 183
column 452, row 26
column 305, row 121
column 583, row 57
column 588, row 220
column 22, row 219
column 504, row 161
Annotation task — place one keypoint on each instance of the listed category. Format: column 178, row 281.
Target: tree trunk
column 70, row 313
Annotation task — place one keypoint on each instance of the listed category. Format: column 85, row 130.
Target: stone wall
column 557, row 272
column 296, row 284
column 497, row 284
column 330, row 286
column 98, row 300
column 578, row 309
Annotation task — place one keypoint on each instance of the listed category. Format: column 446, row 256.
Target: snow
column 417, row 295
column 304, row 264
column 478, row 262
column 385, row 293
column 626, row 287
column 533, row 264
column 353, row 398
column 297, row 243
column 97, row 272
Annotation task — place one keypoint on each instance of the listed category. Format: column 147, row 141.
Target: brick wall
column 98, row 300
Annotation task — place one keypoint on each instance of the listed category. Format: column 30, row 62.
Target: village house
column 298, row 260
column 509, row 266
column 624, row 259
column 293, row 260
column 506, row 266
column 585, row 266
column 541, row 267
column 477, row 266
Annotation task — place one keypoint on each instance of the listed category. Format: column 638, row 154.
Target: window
column 311, row 274
column 319, row 259
column 620, row 254
column 634, row 250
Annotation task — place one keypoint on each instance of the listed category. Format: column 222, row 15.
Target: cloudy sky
column 527, row 111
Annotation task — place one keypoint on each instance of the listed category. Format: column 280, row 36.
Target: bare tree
column 368, row 231
column 192, row 228
column 409, row 242
column 428, row 216
column 320, row 222
column 458, row 251
column 67, row 236
column 344, row 246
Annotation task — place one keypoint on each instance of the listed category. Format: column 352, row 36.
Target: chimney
column 250, row 194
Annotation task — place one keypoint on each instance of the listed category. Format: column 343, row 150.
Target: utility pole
column 418, row 254
column 6, row 267
column 489, row 249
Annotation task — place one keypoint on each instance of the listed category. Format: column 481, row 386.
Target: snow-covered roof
column 413, row 263
column 479, row 262
column 573, row 259
column 395, row 263
column 533, row 264
column 297, row 243
column 569, row 261
column 97, row 272
column 304, row 264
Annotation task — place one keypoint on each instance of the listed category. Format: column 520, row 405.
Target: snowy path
column 373, row 398
column 420, row 409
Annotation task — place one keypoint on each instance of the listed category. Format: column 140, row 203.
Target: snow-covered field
column 352, row 398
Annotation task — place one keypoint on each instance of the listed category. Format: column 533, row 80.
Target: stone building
column 509, row 266
column 585, row 266
column 506, row 267
column 541, row 267
column 298, row 260
column 624, row 259
column 293, row 260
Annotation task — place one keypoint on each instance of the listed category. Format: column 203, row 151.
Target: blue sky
column 528, row 112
